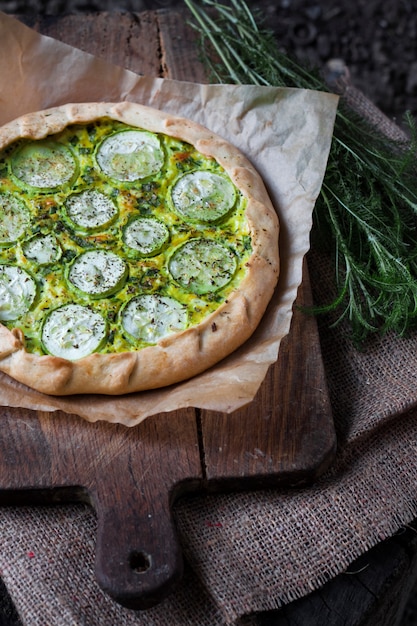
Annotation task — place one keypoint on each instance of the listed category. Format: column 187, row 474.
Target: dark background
column 375, row 38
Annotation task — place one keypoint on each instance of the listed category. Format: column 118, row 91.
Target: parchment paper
column 286, row 133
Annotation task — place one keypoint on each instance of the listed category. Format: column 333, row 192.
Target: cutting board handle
column 138, row 556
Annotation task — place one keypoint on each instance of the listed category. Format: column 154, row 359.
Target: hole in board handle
column 139, row 562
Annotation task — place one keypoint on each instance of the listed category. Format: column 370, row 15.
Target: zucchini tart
column 137, row 249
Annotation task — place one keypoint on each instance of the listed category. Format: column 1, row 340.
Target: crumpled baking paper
column 286, row 133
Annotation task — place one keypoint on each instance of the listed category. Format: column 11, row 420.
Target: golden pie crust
column 184, row 354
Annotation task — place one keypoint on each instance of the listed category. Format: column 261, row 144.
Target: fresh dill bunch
column 366, row 211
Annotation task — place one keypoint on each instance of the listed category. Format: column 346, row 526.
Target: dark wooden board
column 131, row 476
column 286, row 435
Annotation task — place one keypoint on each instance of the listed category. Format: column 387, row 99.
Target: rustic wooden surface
column 285, row 436
column 292, row 437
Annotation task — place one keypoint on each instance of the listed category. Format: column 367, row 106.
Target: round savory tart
column 137, row 249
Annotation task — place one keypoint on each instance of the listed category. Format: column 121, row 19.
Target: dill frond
column 366, row 213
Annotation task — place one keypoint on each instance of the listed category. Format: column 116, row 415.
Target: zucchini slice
column 151, row 317
column 202, row 196
column 42, row 249
column 202, row 265
column 90, row 210
column 45, row 165
column 146, row 235
column 17, row 292
column 130, row 155
column 14, row 219
column 97, row 273
column 73, row 331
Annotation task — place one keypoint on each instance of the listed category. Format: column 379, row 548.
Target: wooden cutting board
column 131, row 476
